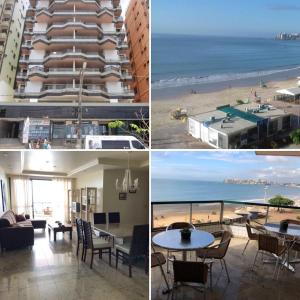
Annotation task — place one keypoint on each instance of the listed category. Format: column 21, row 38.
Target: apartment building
column 12, row 16
column 137, row 26
column 72, row 52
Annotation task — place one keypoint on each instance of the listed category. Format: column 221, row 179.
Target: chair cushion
column 101, row 243
column 124, row 248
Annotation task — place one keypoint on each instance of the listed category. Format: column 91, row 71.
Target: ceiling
column 68, row 163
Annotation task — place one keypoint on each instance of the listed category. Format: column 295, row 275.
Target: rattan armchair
column 216, row 252
column 189, row 272
column 271, row 245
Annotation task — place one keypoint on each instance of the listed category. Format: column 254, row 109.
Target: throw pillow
column 4, row 223
column 20, row 218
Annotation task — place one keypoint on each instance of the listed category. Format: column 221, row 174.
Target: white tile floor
column 52, row 271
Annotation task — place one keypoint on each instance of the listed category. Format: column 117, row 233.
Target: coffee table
column 56, row 228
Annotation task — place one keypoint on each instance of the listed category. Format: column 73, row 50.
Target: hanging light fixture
column 127, row 186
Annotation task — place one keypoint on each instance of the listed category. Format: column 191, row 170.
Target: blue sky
column 257, row 18
column 219, row 165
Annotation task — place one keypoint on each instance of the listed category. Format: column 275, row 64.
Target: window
column 115, row 145
column 137, row 145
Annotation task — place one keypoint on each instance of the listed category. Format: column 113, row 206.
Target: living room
column 44, row 196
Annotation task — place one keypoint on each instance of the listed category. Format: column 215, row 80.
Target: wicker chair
column 270, row 245
column 216, row 252
column 189, row 272
column 97, row 246
column 252, row 236
column 176, row 225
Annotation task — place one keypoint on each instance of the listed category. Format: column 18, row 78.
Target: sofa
column 15, row 231
column 37, row 224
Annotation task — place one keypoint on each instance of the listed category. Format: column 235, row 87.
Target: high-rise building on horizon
column 137, row 27
column 72, row 52
column 12, row 16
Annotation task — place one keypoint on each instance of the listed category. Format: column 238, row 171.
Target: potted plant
column 283, row 226
column 186, row 233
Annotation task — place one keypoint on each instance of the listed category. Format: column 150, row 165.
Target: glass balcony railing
column 203, row 213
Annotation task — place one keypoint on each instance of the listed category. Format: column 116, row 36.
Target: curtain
column 55, row 194
column 21, row 195
column 60, row 199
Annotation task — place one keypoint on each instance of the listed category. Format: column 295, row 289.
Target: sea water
column 181, row 63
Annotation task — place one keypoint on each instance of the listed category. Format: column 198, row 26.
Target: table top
column 117, row 230
column 56, row 226
column 293, row 230
column 171, row 240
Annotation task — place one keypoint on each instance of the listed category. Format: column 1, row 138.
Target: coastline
column 168, row 133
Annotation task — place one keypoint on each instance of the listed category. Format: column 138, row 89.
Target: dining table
column 292, row 231
column 171, row 240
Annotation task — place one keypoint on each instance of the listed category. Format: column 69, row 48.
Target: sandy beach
column 211, row 213
column 168, row 133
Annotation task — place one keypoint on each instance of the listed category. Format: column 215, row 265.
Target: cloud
column 276, row 158
column 284, row 7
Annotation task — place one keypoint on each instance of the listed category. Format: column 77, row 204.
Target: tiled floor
column 245, row 284
column 52, row 271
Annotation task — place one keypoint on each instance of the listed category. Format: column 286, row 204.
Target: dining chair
column 97, row 246
column 79, row 230
column 271, row 245
column 158, row 260
column 189, row 272
column 114, row 218
column 216, row 252
column 252, row 236
column 137, row 247
column 172, row 226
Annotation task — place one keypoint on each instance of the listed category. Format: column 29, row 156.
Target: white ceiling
column 67, row 163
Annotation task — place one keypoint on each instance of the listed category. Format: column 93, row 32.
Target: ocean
column 181, row 63
column 189, row 190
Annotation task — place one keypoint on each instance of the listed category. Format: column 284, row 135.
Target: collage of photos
column 149, row 150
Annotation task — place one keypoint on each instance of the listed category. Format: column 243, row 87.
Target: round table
column 293, row 230
column 171, row 240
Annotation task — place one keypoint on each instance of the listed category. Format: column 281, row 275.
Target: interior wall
column 92, row 178
column 4, row 178
column 136, row 208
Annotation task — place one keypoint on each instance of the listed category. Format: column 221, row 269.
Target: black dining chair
column 79, row 230
column 97, row 246
column 137, row 247
column 114, row 218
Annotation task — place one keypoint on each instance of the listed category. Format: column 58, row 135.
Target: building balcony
column 104, row 16
column 247, row 281
column 4, row 24
column 108, row 73
column 3, row 36
column 94, row 5
column 30, row 19
column 90, row 43
column 82, row 28
column 90, row 93
column 64, row 58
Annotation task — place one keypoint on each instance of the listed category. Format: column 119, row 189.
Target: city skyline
column 258, row 18
column 217, row 166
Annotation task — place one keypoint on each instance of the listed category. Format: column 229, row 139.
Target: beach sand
column 167, row 133
column 207, row 214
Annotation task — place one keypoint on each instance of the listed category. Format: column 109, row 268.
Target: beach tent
column 293, row 93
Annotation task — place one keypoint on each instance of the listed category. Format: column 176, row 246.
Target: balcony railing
column 71, row 70
column 202, row 213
